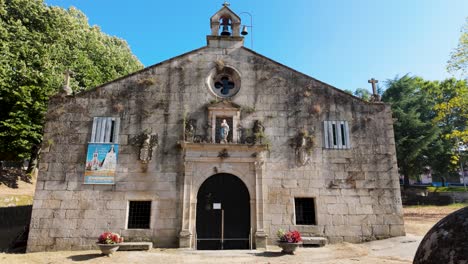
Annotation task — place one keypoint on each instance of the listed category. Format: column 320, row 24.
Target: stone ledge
column 314, row 241
column 128, row 246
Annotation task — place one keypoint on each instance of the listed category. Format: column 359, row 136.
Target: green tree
column 459, row 57
column 362, row 93
column 451, row 116
column 451, row 108
column 38, row 43
column 414, row 130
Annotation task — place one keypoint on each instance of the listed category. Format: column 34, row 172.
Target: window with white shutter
column 105, row 130
column 336, row 134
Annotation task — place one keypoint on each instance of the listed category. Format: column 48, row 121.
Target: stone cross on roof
column 66, row 86
column 373, row 81
column 375, row 97
column 67, row 74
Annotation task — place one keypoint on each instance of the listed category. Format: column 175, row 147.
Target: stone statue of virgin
column 224, row 132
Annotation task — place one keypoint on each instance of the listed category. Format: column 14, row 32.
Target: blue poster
column 101, row 163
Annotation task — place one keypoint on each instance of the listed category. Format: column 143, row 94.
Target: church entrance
column 223, row 214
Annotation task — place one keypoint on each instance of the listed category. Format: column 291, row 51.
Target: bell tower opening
column 225, row 26
column 225, row 23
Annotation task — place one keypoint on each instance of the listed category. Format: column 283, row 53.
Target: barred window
column 139, row 214
column 336, row 134
column 305, row 211
column 105, row 130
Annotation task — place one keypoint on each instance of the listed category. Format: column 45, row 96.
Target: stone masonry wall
column 356, row 190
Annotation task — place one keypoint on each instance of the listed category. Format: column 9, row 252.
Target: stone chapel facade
column 147, row 156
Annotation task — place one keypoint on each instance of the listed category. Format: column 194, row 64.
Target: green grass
column 15, row 200
column 446, row 189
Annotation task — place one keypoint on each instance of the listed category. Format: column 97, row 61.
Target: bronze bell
column 225, row 31
column 244, row 31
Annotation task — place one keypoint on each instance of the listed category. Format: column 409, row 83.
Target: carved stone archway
column 203, row 160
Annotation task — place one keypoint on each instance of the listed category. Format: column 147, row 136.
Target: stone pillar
column 185, row 235
column 214, row 28
column 260, row 235
column 236, row 29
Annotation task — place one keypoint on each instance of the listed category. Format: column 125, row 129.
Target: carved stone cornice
column 219, row 147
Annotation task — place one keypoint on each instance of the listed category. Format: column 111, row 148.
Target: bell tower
column 225, row 29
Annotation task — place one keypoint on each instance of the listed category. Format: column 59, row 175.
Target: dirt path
column 419, row 219
column 332, row 254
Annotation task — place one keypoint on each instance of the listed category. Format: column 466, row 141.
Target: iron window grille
column 139, row 214
column 305, row 211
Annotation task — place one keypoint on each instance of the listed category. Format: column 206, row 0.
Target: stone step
column 128, row 246
column 314, row 241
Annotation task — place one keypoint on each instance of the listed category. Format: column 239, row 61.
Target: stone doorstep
column 128, row 246
column 314, row 241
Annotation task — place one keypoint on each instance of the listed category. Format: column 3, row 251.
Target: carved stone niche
column 218, row 112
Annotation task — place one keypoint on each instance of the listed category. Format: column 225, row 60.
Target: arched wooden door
column 223, row 213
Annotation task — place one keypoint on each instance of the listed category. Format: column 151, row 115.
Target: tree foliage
column 38, row 43
column 459, row 57
column 414, row 130
column 431, row 117
column 362, row 93
column 451, row 108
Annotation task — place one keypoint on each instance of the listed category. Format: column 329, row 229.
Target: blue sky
column 341, row 42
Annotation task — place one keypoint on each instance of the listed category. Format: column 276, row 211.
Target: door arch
column 223, row 213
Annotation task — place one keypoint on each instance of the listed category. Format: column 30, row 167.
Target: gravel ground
column 368, row 253
column 418, row 220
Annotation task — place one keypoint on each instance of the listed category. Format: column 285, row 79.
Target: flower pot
column 108, row 249
column 288, row 248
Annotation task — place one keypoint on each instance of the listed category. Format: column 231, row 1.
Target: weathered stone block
column 55, row 185
column 364, row 209
column 381, row 230
column 337, row 209
column 397, row 230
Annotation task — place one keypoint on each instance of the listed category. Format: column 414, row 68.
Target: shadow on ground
column 84, row 257
column 268, row 254
column 10, row 177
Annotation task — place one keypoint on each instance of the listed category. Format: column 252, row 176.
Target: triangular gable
column 225, row 11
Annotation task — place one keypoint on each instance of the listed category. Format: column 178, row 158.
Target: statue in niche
column 258, row 127
column 240, row 134
column 190, row 130
column 258, row 131
column 224, row 132
column 146, row 142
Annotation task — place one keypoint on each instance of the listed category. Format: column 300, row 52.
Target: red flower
column 290, row 237
column 110, row 238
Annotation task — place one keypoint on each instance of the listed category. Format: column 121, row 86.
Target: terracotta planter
column 288, row 248
column 108, row 249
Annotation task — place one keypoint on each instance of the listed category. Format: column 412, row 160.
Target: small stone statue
column 146, row 150
column 258, row 127
column 303, row 144
column 258, row 130
column 224, row 132
column 190, row 130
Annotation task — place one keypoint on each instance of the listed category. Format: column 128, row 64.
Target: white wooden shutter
column 325, row 133
column 338, row 134
column 102, row 129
